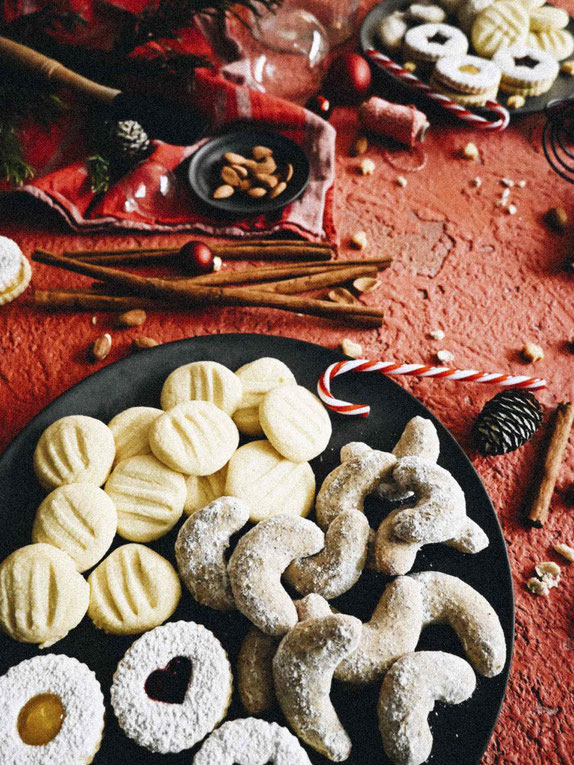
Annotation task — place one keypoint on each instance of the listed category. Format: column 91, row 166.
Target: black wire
column 558, row 137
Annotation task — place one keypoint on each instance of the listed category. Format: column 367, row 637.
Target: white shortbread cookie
column 18, row 285
column 131, row 431
column 202, row 381
column 548, row 17
column 42, row 595
column 269, row 483
column 468, row 11
column 253, row 741
column 392, row 29
column 408, row 695
column 429, row 42
column 201, row 548
column 79, row 519
column 295, row 422
column 10, row 263
column 203, row 489
column 258, row 378
column 82, row 702
column 470, row 74
column 502, row 24
column 74, row 449
column 526, row 71
column 168, row 727
column 559, row 43
column 132, row 590
column 196, row 438
column 531, row 5
column 422, row 13
column 148, row 496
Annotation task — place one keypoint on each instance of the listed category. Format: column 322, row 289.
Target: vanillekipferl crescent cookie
column 202, row 381
column 258, row 378
column 15, row 271
column 51, row 712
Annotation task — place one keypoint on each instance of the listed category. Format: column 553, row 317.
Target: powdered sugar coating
column 340, row 563
column 449, row 600
column 10, row 262
column 76, row 685
column 251, row 742
column 255, row 671
column 200, row 551
column 354, row 449
column 303, row 670
column 408, row 695
column 163, row 727
column 347, row 486
column 256, row 566
column 418, row 439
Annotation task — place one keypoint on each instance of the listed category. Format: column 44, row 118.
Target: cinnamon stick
column 318, row 280
column 75, row 300
column 187, row 293
column 558, row 440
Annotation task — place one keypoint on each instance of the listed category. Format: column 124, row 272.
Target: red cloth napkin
column 155, row 196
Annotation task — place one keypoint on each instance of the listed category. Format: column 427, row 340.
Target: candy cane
column 418, row 370
column 480, row 123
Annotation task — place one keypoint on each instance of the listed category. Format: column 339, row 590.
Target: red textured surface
column 490, row 280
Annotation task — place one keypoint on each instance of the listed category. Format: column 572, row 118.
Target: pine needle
column 100, row 173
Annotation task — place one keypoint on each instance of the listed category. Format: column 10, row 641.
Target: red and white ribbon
column 417, row 370
column 479, row 122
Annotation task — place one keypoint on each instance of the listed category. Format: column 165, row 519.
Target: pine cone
column 125, row 143
column 507, row 421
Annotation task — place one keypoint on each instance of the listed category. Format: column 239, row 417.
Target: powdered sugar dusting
column 10, row 262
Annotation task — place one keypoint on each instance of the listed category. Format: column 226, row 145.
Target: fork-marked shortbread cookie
column 502, row 24
column 202, row 381
column 131, row 431
column 203, row 489
column 258, row 378
column 559, row 43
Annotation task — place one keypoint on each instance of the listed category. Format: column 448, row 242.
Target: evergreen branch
column 13, row 168
column 168, row 63
column 100, row 173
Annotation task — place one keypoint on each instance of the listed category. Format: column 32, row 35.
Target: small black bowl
column 205, row 168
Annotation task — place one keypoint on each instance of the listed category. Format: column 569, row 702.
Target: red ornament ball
column 197, row 258
column 320, row 105
column 349, row 78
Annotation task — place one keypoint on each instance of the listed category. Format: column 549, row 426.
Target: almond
column 257, row 192
column 267, row 180
column 141, row 343
column 234, row 159
column 245, row 185
column 342, row 295
column 134, row 318
column 260, row 152
column 279, row 189
column 101, row 347
column 267, row 166
column 241, row 171
column 366, row 284
column 223, row 192
column 289, row 172
column 229, row 176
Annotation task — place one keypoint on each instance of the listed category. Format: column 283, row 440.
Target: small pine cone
column 506, row 422
column 125, row 142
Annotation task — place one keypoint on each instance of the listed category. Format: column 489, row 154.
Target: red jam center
column 170, row 683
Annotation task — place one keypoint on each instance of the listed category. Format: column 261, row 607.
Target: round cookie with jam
column 51, row 713
column 172, row 687
column 429, row 42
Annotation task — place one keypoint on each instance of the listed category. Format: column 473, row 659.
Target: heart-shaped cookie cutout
column 170, row 683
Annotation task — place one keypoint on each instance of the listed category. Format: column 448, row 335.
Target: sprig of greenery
column 100, row 173
column 13, row 168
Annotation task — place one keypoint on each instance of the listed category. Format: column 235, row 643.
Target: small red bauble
column 349, row 78
column 320, row 105
column 197, row 258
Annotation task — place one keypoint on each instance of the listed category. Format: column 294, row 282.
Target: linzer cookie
column 525, row 71
column 172, row 687
column 269, row 483
column 502, row 24
column 51, row 713
column 429, row 42
column 131, row 431
column 42, row 595
column 148, row 496
column 202, row 381
column 470, row 75
column 79, row 519
column 15, row 271
column 196, row 438
column 258, row 378
column 132, row 590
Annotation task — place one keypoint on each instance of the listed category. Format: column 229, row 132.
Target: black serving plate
column 205, row 168
column 562, row 88
column 461, row 733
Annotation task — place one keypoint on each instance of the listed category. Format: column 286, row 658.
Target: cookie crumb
column 94, row 321
column 410, row 66
column 548, row 572
column 508, row 182
column 351, row 348
column 565, row 551
column 401, row 181
column 437, row 334
column 511, row 209
column 477, row 182
column 470, row 151
column 536, row 587
column 367, row 167
column 532, row 353
column 445, row 357
column 521, row 184
column 359, row 240
column 516, row 102
column 567, row 67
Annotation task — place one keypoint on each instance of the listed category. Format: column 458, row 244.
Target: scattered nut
column 367, row 284
column 477, row 182
column 521, row 184
column 536, row 587
column 469, row 151
column 246, row 184
column 134, row 318
column 532, row 353
column 351, row 348
column 556, row 218
column 289, row 172
column 267, row 166
column 257, row 192
column 342, row 295
column 567, row 67
column 437, row 334
column 565, row 551
column 515, row 102
column 260, row 152
column 512, row 209
column 223, row 192
column 401, row 181
column 359, row 147
column 101, row 347
column 267, row 180
column 367, row 167
column 217, row 263
column 141, row 343
column 234, row 159
column 445, row 357
column 359, row 240
column 508, row 182
column 410, row 66
column 548, row 572
column 229, row 176
column 94, row 321
column 241, row 170
column 279, row 189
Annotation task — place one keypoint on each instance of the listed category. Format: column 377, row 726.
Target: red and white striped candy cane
column 418, row 370
column 480, row 123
